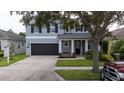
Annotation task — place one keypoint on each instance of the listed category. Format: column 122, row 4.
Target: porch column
column 81, row 50
column 86, row 45
column 72, row 46
column 60, row 46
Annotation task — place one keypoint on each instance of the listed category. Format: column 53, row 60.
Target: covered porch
column 73, row 44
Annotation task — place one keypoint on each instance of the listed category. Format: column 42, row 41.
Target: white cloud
column 8, row 21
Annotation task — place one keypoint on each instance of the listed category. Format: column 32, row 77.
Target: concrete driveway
column 34, row 68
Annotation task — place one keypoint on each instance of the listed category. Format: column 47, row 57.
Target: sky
column 8, row 21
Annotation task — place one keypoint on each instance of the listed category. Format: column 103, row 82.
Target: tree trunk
column 95, row 56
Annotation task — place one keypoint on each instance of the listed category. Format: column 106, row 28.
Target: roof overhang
column 74, row 36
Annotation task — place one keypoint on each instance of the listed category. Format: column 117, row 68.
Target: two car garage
column 44, row 49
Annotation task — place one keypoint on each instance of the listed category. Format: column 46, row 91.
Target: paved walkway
column 71, row 58
column 74, row 68
column 34, row 68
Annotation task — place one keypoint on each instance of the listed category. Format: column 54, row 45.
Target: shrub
column 121, row 52
column 116, row 46
column 121, row 49
column 1, row 53
column 73, row 55
column 88, row 54
column 102, row 56
column 107, row 58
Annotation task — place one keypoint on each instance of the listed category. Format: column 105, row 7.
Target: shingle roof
column 74, row 36
column 118, row 33
column 6, row 35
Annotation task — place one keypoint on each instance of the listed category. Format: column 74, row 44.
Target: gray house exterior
column 54, row 40
column 7, row 38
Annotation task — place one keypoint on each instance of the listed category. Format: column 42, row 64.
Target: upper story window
column 79, row 28
column 36, row 29
column 67, row 31
column 52, row 28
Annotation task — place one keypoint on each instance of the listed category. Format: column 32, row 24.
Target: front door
column 77, row 47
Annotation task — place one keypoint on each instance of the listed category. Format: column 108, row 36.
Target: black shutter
column 48, row 29
column 32, row 29
column 40, row 29
column 76, row 28
column 85, row 28
column 81, row 28
column 56, row 28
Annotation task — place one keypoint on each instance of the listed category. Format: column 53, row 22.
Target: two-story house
column 54, row 40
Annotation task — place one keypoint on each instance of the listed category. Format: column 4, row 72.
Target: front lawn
column 3, row 61
column 78, row 62
column 78, row 75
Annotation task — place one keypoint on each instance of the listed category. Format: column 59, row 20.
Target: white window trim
column 52, row 29
column 67, row 43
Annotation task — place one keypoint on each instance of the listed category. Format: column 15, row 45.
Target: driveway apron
column 34, row 68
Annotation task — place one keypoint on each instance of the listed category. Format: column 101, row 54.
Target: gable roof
column 7, row 35
column 118, row 33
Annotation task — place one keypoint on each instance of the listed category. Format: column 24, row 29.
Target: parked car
column 113, row 71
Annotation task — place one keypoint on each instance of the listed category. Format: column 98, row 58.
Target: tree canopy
column 96, row 22
column 22, row 34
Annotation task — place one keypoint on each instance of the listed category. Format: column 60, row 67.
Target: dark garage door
column 44, row 49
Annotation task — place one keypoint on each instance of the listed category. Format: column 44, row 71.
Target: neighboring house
column 54, row 40
column 7, row 38
column 119, row 35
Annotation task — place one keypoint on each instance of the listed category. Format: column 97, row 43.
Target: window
column 52, row 28
column 18, row 46
column 65, row 43
column 22, row 43
column 79, row 28
column 67, row 30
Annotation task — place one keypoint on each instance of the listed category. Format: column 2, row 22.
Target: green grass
column 78, row 75
column 78, row 62
column 16, row 58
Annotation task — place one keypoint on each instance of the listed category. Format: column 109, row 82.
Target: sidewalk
column 75, row 68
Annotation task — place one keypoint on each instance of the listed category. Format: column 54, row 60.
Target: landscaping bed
column 78, row 75
column 78, row 62
column 16, row 58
